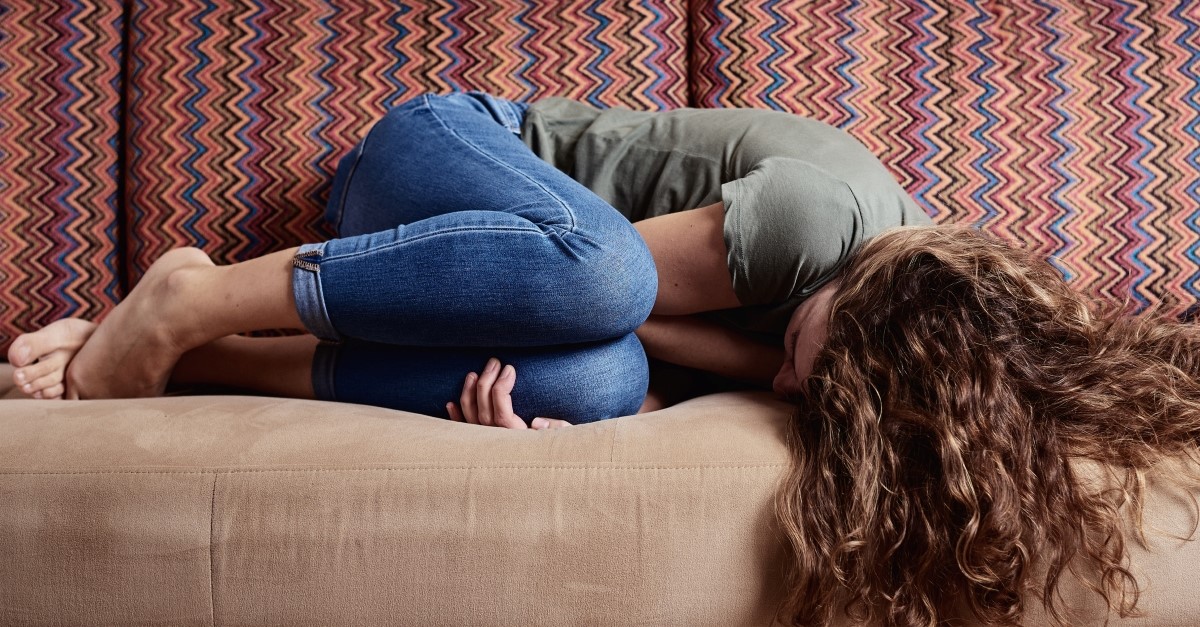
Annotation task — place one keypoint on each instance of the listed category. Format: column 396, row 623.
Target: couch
column 131, row 127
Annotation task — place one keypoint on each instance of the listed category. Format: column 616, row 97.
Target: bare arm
column 689, row 251
column 693, row 276
column 695, row 343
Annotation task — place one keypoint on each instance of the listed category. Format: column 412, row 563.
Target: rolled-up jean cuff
column 324, row 361
column 306, row 288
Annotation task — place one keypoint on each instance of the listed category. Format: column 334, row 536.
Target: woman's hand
column 486, row 399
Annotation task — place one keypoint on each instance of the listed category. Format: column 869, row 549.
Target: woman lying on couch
column 943, row 380
column 462, row 238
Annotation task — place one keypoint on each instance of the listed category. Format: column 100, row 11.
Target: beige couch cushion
column 218, row 510
column 269, row 511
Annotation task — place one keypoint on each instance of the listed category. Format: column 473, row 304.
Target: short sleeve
column 789, row 227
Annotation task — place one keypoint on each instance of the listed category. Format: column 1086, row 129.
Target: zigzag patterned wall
column 1066, row 125
column 59, row 114
column 240, row 114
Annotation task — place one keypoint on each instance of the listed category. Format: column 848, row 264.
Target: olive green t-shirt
column 799, row 195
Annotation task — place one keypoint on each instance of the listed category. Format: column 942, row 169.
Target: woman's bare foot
column 132, row 352
column 41, row 357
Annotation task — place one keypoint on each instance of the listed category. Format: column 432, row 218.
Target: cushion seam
column 212, row 550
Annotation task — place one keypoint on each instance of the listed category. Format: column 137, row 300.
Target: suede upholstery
column 236, row 510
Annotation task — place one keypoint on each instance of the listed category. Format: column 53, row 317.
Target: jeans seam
column 345, row 191
column 565, row 207
column 327, row 258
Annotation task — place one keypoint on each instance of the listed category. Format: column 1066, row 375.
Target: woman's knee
column 623, row 285
column 609, row 379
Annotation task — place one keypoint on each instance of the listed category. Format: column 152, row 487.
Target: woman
column 462, row 237
column 957, row 380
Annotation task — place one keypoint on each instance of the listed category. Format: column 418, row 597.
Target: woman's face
column 806, row 333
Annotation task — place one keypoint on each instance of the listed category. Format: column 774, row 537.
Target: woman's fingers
column 483, row 391
column 486, row 399
column 502, row 408
column 466, row 400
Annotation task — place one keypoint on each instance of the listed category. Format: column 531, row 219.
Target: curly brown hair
column 933, row 444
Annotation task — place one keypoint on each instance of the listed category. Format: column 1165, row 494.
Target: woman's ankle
column 186, row 295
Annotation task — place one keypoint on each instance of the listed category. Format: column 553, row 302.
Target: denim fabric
column 579, row 382
column 457, row 243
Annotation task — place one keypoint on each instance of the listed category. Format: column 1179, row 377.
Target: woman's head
column 907, row 280
column 805, row 334
column 932, row 438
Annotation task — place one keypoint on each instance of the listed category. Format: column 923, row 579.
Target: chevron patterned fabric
column 239, row 114
column 1069, row 126
column 59, row 120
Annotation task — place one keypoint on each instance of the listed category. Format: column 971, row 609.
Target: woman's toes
column 68, row 334
column 20, row 353
column 43, row 374
column 28, row 347
column 44, row 383
column 51, row 393
column 56, row 360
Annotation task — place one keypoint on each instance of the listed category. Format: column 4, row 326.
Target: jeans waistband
column 507, row 113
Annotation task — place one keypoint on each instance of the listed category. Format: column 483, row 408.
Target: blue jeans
column 456, row 243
